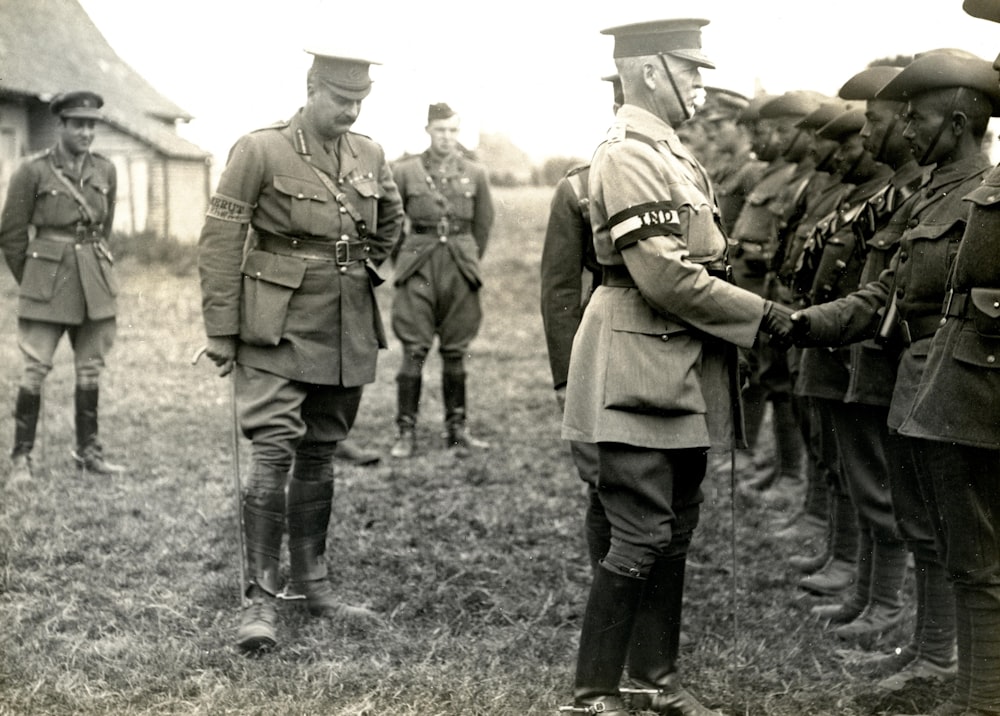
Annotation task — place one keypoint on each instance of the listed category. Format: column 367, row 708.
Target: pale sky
column 530, row 70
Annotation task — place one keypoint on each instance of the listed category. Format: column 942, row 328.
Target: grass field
column 120, row 596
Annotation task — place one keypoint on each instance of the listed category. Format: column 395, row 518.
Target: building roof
column 51, row 46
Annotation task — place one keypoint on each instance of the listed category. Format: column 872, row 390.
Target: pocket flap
column 299, row 188
column 933, row 230
column 638, row 317
column 987, row 300
column 47, row 249
column 281, row 270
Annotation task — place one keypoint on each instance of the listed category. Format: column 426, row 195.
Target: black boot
column 655, row 645
column 263, row 526
column 308, row 513
column 89, row 454
column 408, row 405
column 840, row 571
column 456, row 436
column 26, row 411
column 604, row 642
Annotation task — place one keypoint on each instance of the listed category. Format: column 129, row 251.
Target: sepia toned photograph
column 445, row 359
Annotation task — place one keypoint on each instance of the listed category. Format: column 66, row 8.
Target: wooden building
column 52, row 46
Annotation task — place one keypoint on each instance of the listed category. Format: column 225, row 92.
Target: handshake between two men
column 787, row 326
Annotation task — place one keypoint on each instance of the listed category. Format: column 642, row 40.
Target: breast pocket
column 309, row 211
column 366, row 188
column 41, row 268
column 269, row 280
column 654, row 364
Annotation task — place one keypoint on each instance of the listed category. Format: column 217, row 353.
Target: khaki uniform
column 648, row 365
column 450, row 211
column 300, row 294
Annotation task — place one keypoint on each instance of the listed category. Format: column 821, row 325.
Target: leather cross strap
column 74, row 192
column 338, row 195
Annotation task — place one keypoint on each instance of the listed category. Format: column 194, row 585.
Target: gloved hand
column 222, row 351
column 801, row 330
column 777, row 321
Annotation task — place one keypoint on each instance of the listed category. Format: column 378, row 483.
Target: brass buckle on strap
column 343, row 255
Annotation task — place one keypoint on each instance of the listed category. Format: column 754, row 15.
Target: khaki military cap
column 944, row 70
column 866, row 84
column 797, row 103
column 677, row 37
column 347, row 76
column 81, row 104
column 823, row 114
column 843, row 125
column 439, row 110
column 986, row 9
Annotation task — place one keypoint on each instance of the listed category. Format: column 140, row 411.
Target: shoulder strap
column 74, row 192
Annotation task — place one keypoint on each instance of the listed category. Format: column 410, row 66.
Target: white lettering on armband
column 226, row 208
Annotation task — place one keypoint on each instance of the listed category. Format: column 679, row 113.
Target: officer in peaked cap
column 53, row 233
column 949, row 98
column 448, row 200
column 304, row 214
column 82, row 104
column 347, row 76
column 664, row 275
column 957, row 428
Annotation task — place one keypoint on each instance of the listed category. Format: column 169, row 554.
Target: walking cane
column 237, row 488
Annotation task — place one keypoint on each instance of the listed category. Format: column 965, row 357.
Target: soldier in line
column 756, row 233
column 955, row 417
column 54, row 229
column 876, row 603
column 290, row 310
column 665, row 305
column 950, row 96
column 447, row 200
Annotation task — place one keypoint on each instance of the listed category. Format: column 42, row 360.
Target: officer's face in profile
column 848, row 153
column 444, row 134
column 924, row 116
column 331, row 114
column 683, row 103
column 76, row 134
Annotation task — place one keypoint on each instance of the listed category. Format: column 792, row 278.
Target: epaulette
column 280, row 124
column 616, row 132
column 41, row 154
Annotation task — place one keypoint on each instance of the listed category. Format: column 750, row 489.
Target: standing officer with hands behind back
column 295, row 318
column 56, row 221
column 450, row 209
column 649, row 381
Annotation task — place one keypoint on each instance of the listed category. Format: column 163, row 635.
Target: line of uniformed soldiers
column 852, row 210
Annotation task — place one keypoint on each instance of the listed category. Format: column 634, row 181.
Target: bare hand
column 221, row 350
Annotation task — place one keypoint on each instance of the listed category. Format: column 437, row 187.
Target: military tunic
column 648, row 365
column 449, row 208
column 914, row 282
column 57, row 250
column 303, row 307
column 957, row 398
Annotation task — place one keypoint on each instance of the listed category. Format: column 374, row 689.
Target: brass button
column 295, row 243
column 444, row 239
column 664, row 337
column 343, row 269
column 343, row 210
column 991, row 359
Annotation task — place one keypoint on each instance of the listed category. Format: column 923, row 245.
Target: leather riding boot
column 789, row 449
column 26, row 409
column 980, row 606
column 457, row 436
column 309, row 504
column 604, row 642
column 89, row 454
column 655, row 645
column 263, row 526
column 407, row 406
